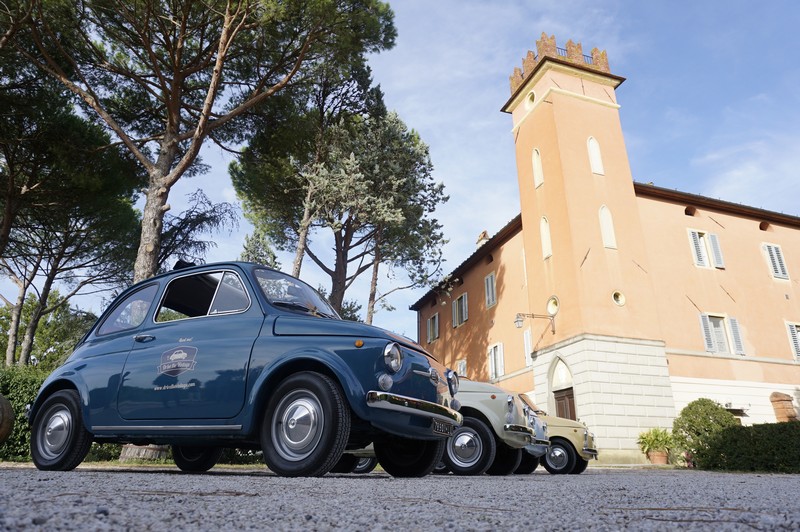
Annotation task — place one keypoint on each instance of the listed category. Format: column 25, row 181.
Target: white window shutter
column 736, row 333
column 697, row 249
column 793, row 337
column 466, row 307
column 776, row 261
column 501, row 370
column 708, row 336
column 455, row 313
column 492, row 368
column 716, row 251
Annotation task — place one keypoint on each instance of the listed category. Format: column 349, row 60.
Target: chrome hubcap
column 54, row 439
column 557, row 457
column 465, row 448
column 297, row 425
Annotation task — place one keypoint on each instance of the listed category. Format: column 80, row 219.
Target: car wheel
column 59, row 441
column 195, row 459
column 346, row 464
column 580, row 466
column 506, row 460
column 560, row 458
column 365, row 465
column 6, row 419
column 527, row 465
column 306, row 426
column 440, row 469
column 471, row 448
column 401, row 457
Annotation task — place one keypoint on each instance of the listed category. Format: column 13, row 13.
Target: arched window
column 547, row 245
column 595, row 159
column 538, row 173
column 607, row 228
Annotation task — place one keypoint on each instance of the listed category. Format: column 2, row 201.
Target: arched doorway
column 563, row 395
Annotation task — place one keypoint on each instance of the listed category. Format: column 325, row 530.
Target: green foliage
column 655, row 439
column 258, row 249
column 698, row 423
column 771, row 448
column 19, row 384
column 241, row 457
column 104, row 452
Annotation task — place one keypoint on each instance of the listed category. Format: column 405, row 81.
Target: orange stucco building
column 633, row 299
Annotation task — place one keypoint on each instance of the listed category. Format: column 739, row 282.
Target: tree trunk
column 302, row 234
column 373, row 287
column 33, row 324
column 155, row 206
column 13, row 328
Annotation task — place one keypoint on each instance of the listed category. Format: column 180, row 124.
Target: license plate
column 440, row 427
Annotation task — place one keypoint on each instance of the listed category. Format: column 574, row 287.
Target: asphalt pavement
column 163, row 498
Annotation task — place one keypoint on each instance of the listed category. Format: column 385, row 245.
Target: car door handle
column 144, row 338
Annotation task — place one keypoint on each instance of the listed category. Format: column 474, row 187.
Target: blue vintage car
column 237, row 355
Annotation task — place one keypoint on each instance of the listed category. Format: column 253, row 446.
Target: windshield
column 285, row 291
column 527, row 401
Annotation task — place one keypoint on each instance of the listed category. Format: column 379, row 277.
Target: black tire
column 59, row 441
column 6, row 419
column 580, row 466
column 560, row 458
column 195, row 459
column 527, row 465
column 365, row 465
column 306, row 426
column 346, row 464
column 440, row 469
column 402, row 457
column 471, row 448
column 506, row 460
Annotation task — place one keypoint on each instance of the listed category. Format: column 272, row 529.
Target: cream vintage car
column 571, row 443
column 497, row 433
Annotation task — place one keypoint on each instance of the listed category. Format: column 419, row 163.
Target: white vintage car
column 498, row 434
column 571, row 443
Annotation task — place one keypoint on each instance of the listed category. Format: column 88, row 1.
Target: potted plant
column 656, row 444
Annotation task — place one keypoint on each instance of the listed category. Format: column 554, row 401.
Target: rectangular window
column 526, row 337
column 720, row 333
column 460, row 312
column 491, row 292
column 496, row 365
column 706, row 249
column 776, row 263
column 461, row 367
column 433, row 327
column 794, row 338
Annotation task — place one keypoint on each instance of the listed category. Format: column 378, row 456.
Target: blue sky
column 710, row 105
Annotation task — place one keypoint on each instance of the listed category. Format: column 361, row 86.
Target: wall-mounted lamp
column 520, row 319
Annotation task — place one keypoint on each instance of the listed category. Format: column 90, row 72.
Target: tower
column 585, row 250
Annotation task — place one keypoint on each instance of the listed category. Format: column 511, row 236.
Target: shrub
column 19, row 384
column 698, row 422
column 770, row 447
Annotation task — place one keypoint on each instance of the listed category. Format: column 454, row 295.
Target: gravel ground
column 251, row 499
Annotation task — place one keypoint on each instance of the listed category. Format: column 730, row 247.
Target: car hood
column 554, row 421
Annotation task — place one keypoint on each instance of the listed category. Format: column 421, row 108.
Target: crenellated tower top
column 573, row 53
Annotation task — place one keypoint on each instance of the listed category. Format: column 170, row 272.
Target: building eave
column 509, row 230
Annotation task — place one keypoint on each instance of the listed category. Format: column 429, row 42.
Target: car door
column 190, row 361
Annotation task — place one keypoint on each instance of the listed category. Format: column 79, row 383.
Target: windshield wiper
column 299, row 306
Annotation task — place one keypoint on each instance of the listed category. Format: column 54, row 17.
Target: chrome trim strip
column 415, row 407
column 167, row 427
column 520, row 429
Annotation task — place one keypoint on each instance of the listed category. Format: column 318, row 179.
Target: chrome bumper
column 414, row 407
column 590, row 452
column 522, row 430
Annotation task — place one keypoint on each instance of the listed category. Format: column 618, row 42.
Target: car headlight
column 393, row 357
column 452, row 381
column 510, row 404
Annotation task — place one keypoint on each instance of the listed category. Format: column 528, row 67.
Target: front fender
column 62, row 381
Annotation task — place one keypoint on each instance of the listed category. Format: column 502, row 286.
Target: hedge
column 771, row 448
column 19, row 384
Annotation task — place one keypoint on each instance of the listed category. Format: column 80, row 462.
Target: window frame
column 433, row 332
column 595, row 156
column 538, row 169
column 708, row 245
column 794, row 338
column 732, row 331
column 607, row 232
column 495, row 355
column 460, row 310
column 490, row 290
